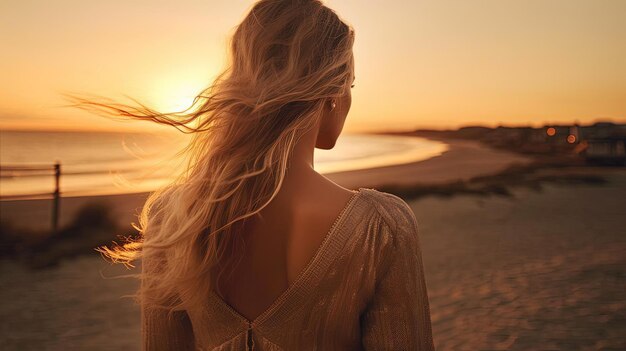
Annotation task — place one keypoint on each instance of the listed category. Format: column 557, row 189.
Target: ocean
column 99, row 163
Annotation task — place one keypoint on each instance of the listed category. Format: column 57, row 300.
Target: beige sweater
column 363, row 290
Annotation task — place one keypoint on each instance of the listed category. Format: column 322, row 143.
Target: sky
column 419, row 64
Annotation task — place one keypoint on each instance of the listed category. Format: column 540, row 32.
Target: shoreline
column 462, row 161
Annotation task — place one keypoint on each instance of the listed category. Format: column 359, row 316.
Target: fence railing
column 10, row 171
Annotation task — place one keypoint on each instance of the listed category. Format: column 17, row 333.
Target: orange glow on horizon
column 427, row 64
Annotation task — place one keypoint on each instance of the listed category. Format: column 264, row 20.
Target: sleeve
column 161, row 331
column 398, row 315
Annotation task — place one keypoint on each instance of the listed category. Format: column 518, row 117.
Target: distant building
column 610, row 150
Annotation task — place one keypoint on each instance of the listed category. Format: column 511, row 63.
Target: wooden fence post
column 55, row 206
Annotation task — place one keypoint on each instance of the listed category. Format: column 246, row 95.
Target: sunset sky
column 420, row 64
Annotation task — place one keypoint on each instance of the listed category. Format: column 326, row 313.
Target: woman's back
column 279, row 243
column 364, row 288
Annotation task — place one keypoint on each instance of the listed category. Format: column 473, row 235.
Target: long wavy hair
column 286, row 59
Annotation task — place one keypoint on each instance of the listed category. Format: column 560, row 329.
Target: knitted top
column 364, row 289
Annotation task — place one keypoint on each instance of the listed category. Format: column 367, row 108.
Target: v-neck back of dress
column 305, row 275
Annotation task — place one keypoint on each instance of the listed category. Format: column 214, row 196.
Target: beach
column 501, row 124
column 540, row 268
column 543, row 270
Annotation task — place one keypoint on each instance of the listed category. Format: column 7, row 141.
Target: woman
column 251, row 248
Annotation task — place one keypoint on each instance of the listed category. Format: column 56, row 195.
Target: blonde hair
column 287, row 58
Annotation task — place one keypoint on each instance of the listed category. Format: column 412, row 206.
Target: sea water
column 97, row 163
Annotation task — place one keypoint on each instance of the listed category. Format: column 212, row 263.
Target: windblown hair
column 286, row 59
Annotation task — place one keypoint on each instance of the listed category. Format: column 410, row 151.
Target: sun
column 177, row 99
column 180, row 103
column 175, row 92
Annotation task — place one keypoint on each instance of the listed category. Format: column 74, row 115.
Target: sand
column 539, row 271
column 543, row 270
column 463, row 160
